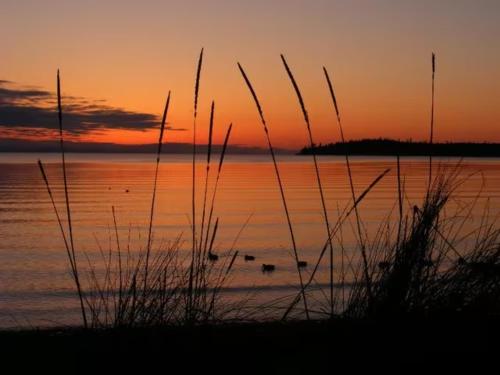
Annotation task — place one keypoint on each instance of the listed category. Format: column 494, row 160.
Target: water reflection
column 34, row 277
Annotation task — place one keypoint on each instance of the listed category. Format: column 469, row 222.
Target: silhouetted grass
column 431, row 137
column 316, row 169
column 151, row 286
column 158, row 155
column 423, row 273
column 214, row 192
column 193, row 191
column 422, row 264
column 351, row 183
column 280, row 184
column 201, row 249
column 68, row 210
column 338, row 225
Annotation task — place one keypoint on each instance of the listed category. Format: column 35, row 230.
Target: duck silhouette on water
column 268, row 268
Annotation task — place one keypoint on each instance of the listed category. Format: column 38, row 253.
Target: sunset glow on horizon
column 121, row 59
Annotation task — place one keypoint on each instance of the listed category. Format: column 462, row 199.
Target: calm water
column 35, row 287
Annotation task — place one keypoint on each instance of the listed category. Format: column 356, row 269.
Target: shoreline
column 390, row 147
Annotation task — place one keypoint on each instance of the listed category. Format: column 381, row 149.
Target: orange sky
column 378, row 54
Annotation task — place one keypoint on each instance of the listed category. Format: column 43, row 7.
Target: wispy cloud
column 25, row 110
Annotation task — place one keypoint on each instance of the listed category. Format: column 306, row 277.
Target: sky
column 119, row 59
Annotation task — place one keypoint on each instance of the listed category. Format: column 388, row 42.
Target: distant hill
column 389, row 147
column 18, row 145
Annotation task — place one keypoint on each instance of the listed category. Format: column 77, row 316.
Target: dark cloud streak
column 27, row 108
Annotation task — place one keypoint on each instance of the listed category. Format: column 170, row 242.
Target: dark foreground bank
column 252, row 348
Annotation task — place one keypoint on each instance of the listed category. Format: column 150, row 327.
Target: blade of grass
column 153, row 199
column 400, row 198
column 431, row 137
column 193, row 191
column 212, row 204
column 316, row 169
column 209, row 152
column 340, row 221
column 280, row 184
column 66, row 195
column 120, row 276
column 59, row 222
column 200, row 260
column 351, row 184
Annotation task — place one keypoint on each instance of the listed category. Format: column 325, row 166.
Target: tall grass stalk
column 316, row 169
column 193, row 190
column 120, row 267
column 223, row 279
column 400, row 197
column 340, row 221
column 209, row 154
column 66, row 195
column 59, row 221
column 199, row 252
column 431, row 136
column 282, row 192
column 351, row 183
column 153, row 199
column 214, row 192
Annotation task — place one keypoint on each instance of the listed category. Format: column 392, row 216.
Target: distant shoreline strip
column 388, row 147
